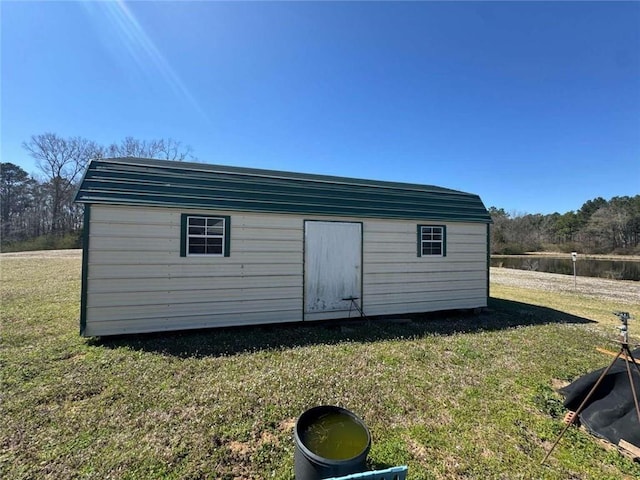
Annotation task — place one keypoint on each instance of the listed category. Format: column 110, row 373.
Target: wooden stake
column 629, row 447
column 613, row 354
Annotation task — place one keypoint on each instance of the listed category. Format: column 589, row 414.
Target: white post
column 574, row 257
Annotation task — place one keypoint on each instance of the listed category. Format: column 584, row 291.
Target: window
column 204, row 235
column 432, row 241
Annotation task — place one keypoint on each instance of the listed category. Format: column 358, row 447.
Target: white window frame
column 432, row 231
column 206, row 235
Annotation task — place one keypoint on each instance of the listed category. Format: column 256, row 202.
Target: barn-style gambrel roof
column 139, row 181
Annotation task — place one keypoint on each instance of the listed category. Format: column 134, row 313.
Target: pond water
column 585, row 267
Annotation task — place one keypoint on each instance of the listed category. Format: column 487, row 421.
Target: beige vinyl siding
column 137, row 281
column 396, row 280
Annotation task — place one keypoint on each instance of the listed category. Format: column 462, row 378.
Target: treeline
column 37, row 211
column 599, row 226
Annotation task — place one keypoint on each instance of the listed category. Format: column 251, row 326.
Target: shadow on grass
column 501, row 314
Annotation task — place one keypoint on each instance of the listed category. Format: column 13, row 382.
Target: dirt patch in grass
column 287, row 425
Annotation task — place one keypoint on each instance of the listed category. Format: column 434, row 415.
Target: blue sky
column 535, row 106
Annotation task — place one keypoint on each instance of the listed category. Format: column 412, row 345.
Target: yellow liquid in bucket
column 335, row 436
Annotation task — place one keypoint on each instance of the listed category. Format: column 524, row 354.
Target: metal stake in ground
column 354, row 304
column 628, row 358
column 574, row 257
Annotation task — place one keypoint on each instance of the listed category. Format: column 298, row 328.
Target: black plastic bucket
column 330, row 442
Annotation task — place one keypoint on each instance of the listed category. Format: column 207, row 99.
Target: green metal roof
column 140, row 181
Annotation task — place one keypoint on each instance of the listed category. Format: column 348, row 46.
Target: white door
column 332, row 268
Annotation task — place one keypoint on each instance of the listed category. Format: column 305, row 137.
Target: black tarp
column 610, row 412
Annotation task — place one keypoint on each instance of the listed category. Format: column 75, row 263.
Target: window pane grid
column 431, row 248
column 205, row 236
column 431, row 240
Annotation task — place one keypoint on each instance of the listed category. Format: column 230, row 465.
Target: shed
column 174, row 246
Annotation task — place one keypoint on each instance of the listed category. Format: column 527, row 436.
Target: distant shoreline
column 78, row 252
column 589, row 256
column 67, row 253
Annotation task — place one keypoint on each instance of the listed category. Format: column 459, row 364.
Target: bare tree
column 171, row 149
column 166, row 149
column 62, row 161
column 131, row 147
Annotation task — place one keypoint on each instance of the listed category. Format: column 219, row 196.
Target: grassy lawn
column 453, row 396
